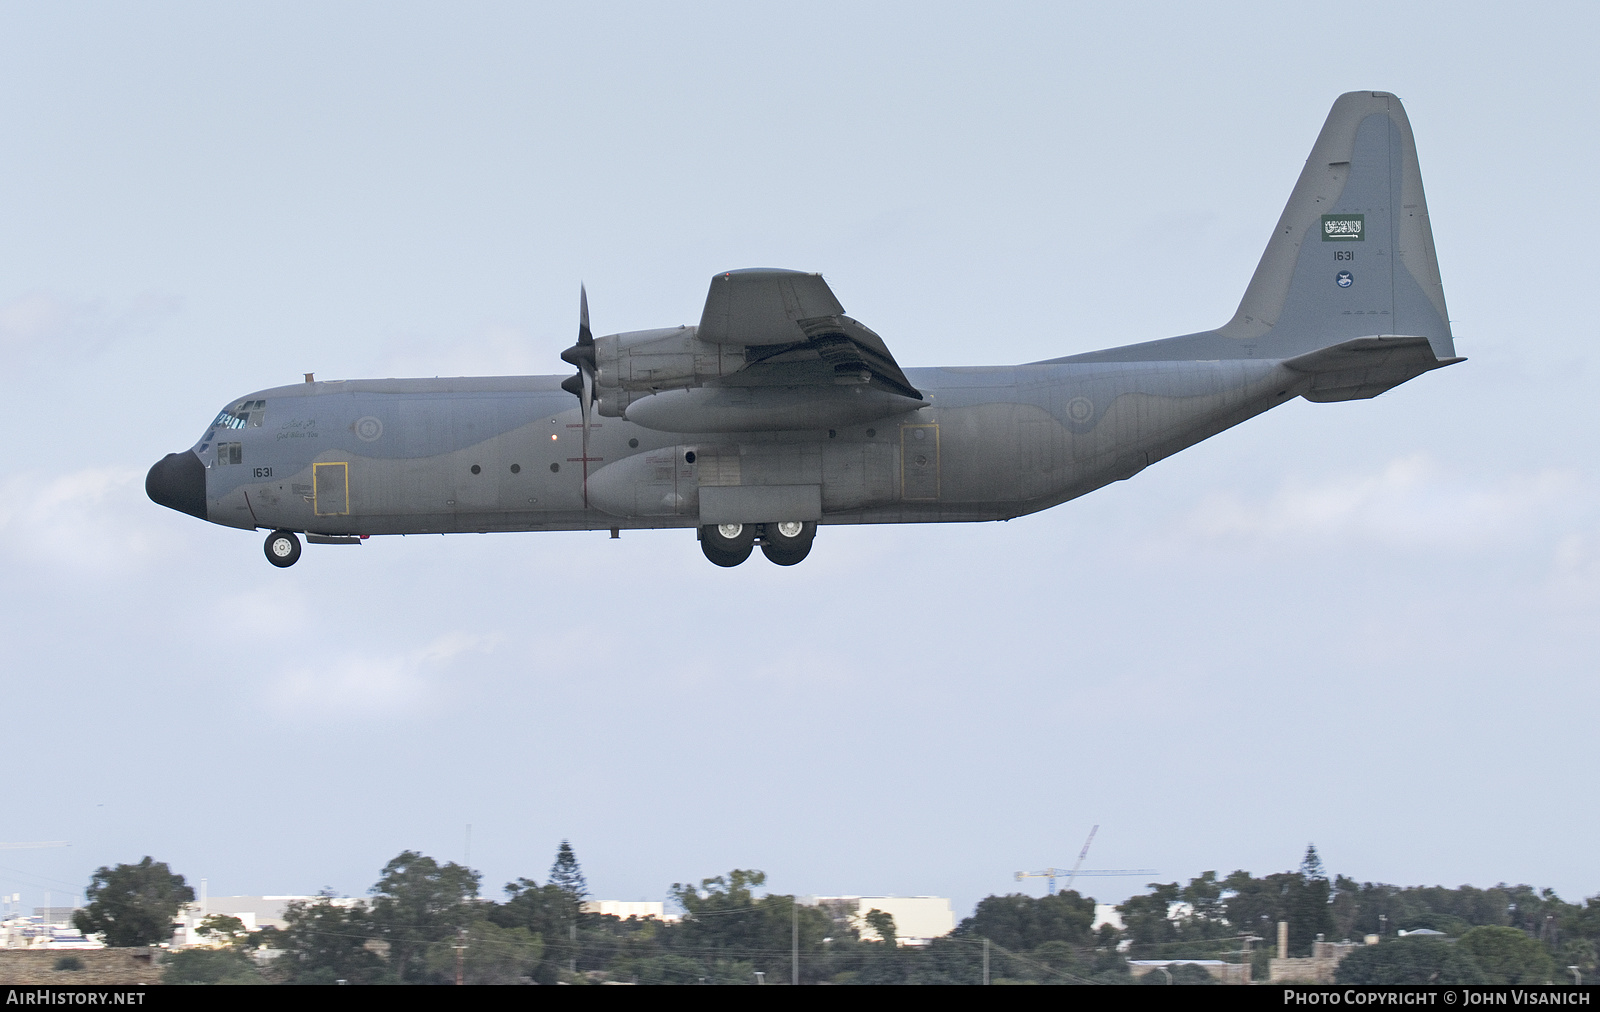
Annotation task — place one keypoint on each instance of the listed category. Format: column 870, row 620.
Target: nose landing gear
column 282, row 548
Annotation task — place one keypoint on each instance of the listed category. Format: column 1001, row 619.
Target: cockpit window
column 245, row 413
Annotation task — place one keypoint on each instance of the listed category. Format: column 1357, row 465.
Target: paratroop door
column 331, row 489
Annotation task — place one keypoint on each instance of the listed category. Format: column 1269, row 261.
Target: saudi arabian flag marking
column 1343, row 227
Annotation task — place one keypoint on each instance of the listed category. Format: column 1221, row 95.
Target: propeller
column 582, row 385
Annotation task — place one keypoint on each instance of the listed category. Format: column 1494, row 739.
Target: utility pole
column 461, row 956
column 794, row 941
column 986, row 961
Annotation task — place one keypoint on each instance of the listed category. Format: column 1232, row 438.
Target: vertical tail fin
column 1351, row 257
column 1353, row 243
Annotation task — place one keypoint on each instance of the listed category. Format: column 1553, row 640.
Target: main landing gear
column 785, row 543
column 282, row 548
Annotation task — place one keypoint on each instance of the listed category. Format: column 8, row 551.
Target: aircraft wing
column 794, row 333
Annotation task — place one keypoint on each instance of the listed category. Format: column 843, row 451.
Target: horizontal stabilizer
column 1365, row 367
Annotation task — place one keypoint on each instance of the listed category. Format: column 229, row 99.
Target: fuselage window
column 230, row 453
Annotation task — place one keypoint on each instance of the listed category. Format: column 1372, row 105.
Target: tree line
column 426, row 922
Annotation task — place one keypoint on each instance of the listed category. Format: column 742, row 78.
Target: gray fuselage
column 504, row 453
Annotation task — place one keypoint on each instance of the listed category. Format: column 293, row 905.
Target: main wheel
column 282, row 548
column 789, row 542
column 727, row 545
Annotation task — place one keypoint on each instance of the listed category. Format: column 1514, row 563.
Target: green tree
column 209, row 966
column 1409, row 961
column 1145, row 917
column 226, row 931
column 1258, row 904
column 1110, row 968
column 724, row 924
column 1020, row 922
column 416, row 903
column 543, row 910
column 1306, row 904
column 325, row 942
column 492, row 954
column 569, row 892
column 1208, row 918
column 1060, row 957
column 1508, row 956
column 883, row 924
column 133, row 904
column 567, row 876
column 1181, row 973
column 664, row 969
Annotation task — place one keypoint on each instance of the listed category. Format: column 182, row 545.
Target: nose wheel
column 282, row 548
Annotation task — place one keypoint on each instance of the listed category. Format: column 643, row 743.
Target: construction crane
column 1077, row 869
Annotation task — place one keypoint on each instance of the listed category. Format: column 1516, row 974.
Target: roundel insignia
column 368, row 428
column 1345, row 279
column 1080, row 409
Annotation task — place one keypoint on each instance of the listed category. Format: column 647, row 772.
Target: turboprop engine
column 773, row 352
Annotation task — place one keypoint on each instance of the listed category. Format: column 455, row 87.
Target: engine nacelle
column 643, row 362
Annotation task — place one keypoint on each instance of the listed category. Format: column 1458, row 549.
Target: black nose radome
column 178, row 481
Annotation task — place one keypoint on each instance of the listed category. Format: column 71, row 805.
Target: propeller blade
column 588, row 400
column 582, row 385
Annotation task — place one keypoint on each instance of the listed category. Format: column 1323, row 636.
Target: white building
column 1106, row 913
column 48, row 928
column 917, row 919
column 256, row 912
column 629, row 908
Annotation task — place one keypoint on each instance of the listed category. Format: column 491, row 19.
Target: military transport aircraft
column 778, row 412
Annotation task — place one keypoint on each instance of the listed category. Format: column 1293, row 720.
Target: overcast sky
column 1367, row 625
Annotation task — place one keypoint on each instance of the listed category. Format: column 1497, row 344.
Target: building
column 1318, row 968
column 48, row 928
column 1106, row 913
column 629, row 908
column 256, row 912
column 1222, row 972
column 917, row 919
